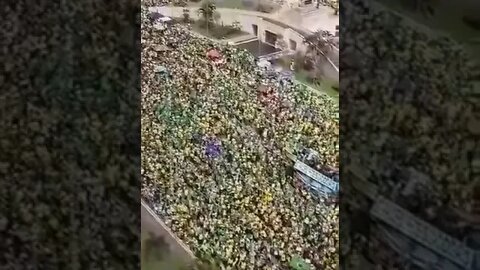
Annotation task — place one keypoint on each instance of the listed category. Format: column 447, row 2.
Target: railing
column 276, row 55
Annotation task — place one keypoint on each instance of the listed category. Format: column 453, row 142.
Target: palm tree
column 186, row 15
column 208, row 11
column 320, row 43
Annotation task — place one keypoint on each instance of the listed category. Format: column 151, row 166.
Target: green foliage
column 186, row 15
column 208, row 11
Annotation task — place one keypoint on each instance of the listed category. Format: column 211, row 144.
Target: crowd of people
column 215, row 142
column 411, row 110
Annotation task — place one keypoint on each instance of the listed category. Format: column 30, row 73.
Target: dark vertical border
column 409, row 138
column 70, row 135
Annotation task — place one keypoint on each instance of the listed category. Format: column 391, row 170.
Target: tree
column 186, row 15
column 320, row 43
column 208, row 10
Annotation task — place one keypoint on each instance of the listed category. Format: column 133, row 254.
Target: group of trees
column 207, row 11
column 320, row 44
column 210, row 18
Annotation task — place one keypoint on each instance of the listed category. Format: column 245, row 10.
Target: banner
column 320, row 178
column 422, row 232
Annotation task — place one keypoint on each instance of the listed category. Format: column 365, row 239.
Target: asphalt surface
column 152, row 224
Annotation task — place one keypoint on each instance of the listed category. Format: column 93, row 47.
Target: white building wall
column 247, row 18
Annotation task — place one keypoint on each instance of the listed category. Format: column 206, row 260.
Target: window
column 270, row 38
column 255, row 29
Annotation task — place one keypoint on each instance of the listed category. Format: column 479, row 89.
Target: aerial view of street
column 240, row 134
column 240, row 130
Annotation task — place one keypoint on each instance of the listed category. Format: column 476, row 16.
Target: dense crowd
column 215, row 144
column 410, row 114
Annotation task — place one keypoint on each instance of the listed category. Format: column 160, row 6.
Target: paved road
column 151, row 223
